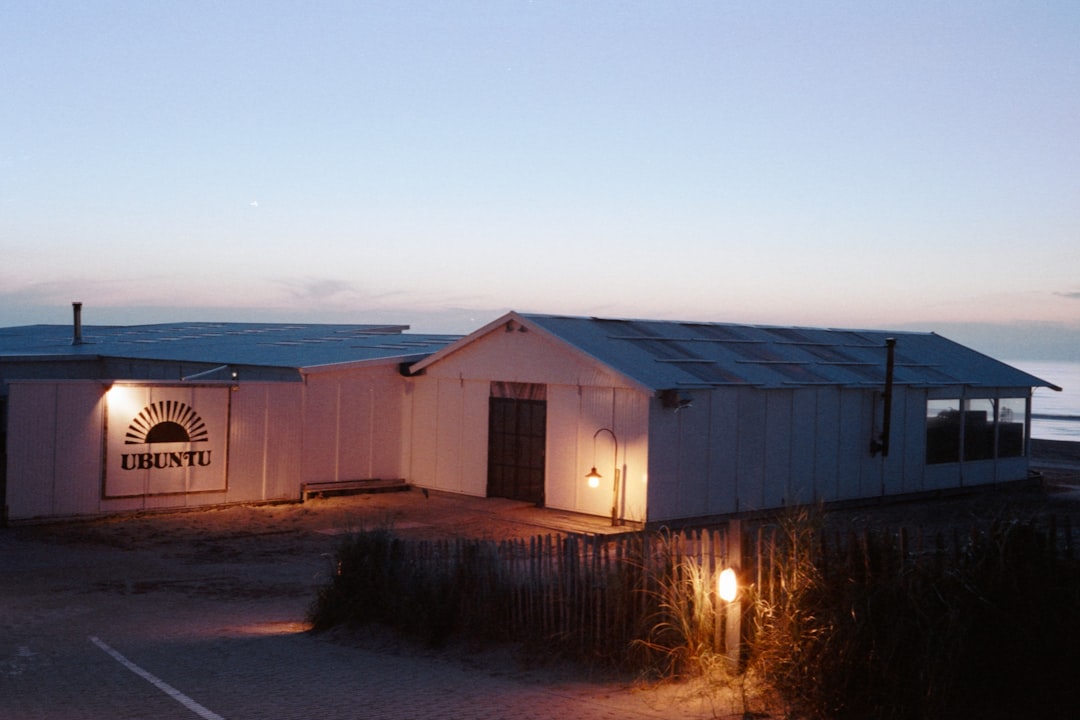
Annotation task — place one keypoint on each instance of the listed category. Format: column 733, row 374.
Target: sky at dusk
column 843, row 164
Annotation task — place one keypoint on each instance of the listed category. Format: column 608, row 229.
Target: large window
column 974, row 428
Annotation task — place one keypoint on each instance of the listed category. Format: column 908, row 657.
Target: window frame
column 965, row 425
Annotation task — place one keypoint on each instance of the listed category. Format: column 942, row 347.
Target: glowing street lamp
column 593, row 478
column 727, row 585
column 729, row 608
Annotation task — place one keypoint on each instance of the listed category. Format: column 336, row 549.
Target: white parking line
column 159, row 683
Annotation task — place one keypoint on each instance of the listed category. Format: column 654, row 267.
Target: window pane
column 979, row 429
column 1011, row 427
column 942, row 431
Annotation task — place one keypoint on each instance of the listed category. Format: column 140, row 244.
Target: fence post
column 733, row 610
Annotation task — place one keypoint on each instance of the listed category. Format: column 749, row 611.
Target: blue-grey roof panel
column 666, row 354
column 253, row 344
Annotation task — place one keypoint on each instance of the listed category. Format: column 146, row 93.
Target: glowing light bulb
column 727, row 586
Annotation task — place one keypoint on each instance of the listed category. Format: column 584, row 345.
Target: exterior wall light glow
column 593, row 478
column 727, row 586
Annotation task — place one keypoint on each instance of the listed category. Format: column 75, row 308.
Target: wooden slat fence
column 598, row 596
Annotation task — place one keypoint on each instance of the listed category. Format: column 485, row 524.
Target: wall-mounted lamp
column 593, row 478
column 672, row 399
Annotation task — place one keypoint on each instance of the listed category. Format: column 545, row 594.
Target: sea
column 1054, row 415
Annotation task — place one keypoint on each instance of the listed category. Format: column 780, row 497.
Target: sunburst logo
column 167, row 421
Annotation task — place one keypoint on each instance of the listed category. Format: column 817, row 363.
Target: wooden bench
column 351, row 487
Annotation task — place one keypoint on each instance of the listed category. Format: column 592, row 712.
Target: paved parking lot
column 200, row 615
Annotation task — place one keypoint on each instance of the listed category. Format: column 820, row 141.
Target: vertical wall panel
column 354, row 427
column 778, row 440
column 663, row 466
column 723, row 450
column 474, row 437
column 368, row 428
column 827, row 429
column 31, row 460
column 284, row 452
column 804, row 441
column 423, row 407
column 597, row 411
column 449, row 437
column 565, row 465
column 853, row 444
column 693, row 453
column 385, row 423
column 247, row 442
column 80, row 415
column 320, row 429
column 632, row 426
column 752, row 447
column 54, row 449
column 405, row 429
column 265, row 451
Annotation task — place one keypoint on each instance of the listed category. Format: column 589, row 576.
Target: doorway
column 517, row 438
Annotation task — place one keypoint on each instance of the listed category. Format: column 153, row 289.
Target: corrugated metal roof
column 666, row 354
column 656, row 354
column 251, row 344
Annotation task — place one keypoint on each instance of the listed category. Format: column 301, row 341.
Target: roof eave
column 368, row 362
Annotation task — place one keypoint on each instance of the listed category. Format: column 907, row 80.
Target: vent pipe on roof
column 76, row 338
column 882, row 445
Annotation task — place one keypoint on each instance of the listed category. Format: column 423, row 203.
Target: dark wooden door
column 517, row 433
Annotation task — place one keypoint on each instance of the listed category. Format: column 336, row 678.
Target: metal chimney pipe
column 890, row 364
column 881, row 445
column 76, row 338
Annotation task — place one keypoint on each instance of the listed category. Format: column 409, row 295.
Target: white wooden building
column 699, row 420
column 681, row 421
column 192, row 414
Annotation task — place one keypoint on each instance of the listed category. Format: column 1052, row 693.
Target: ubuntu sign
column 165, row 439
column 166, row 422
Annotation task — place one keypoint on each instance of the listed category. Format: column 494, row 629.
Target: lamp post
column 729, row 621
column 594, row 477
